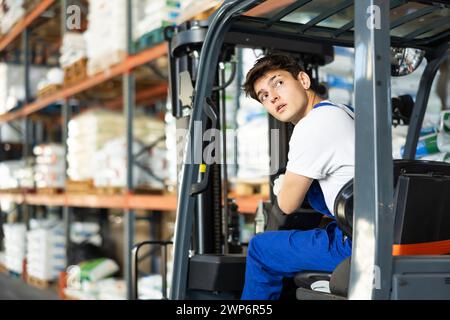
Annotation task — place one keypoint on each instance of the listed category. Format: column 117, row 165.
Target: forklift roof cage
column 371, row 27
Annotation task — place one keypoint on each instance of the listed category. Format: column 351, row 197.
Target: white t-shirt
column 322, row 147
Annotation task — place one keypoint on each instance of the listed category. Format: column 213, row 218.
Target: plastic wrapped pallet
column 46, row 251
column 15, row 246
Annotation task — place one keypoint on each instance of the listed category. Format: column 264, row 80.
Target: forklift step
column 217, row 272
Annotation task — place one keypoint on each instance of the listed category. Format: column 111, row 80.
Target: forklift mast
column 202, row 248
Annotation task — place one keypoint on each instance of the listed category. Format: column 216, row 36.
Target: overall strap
column 348, row 109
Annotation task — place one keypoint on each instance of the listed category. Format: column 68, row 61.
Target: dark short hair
column 269, row 63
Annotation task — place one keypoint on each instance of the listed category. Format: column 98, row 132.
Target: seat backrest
column 421, row 203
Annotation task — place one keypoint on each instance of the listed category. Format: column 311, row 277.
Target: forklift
column 394, row 211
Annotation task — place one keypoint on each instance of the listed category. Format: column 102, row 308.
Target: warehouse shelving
column 24, row 23
column 127, row 201
column 129, row 64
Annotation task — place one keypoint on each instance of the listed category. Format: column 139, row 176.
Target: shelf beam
column 247, row 204
column 129, row 64
column 24, row 23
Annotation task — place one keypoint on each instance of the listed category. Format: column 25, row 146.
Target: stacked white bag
column 15, row 246
column 191, row 8
column 154, row 14
column 111, row 165
column 49, row 168
column 73, row 49
column 97, row 149
column 46, row 250
column 85, row 232
column 12, row 84
column 10, row 12
column 88, row 133
column 16, row 174
column 106, row 33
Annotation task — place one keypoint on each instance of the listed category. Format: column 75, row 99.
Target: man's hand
column 277, row 184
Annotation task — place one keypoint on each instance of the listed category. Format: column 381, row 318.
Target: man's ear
column 304, row 80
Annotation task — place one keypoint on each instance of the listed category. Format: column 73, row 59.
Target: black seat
column 421, row 217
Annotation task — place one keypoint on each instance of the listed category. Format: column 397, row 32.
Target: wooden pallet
column 38, row 283
column 83, row 187
column 104, row 63
column 110, row 190
column 248, row 188
column 108, row 90
column 123, row 190
column 148, row 190
column 49, row 190
column 3, row 268
column 75, row 73
column 14, row 191
column 48, row 90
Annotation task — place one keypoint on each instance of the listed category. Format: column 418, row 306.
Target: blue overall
column 274, row 255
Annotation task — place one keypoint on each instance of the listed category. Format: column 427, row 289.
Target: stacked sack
column 150, row 170
column 85, row 232
column 46, row 249
column 434, row 141
column 10, row 12
column 73, row 49
column 12, row 84
column 106, row 33
column 87, row 134
column 154, row 14
column 49, row 168
column 191, row 8
column 16, row 174
column 15, row 246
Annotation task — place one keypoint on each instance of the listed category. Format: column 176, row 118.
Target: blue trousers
column 273, row 255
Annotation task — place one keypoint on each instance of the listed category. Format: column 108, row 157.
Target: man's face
column 283, row 96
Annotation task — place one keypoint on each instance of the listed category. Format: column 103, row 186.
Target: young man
column 320, row 162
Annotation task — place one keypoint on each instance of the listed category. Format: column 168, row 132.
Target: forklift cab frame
column 374, row 270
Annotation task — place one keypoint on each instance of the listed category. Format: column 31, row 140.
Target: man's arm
column 293, row 191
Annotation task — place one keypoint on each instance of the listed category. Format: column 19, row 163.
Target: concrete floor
column 15, row 289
